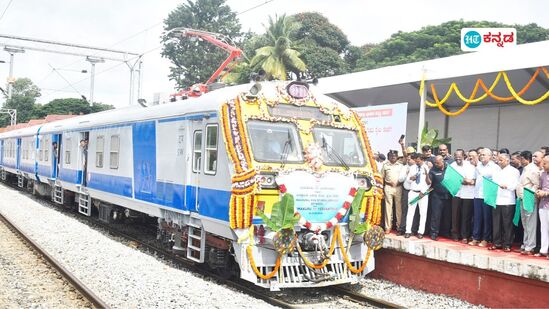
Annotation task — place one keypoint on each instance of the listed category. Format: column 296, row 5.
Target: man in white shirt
column 419, row 185
column 507, row 178
column 529, row 179
column 482, row 213
column 462, row 203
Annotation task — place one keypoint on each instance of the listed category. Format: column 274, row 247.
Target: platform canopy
column 489, row 122
column 401, row 83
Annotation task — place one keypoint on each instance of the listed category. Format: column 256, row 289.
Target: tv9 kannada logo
column 475, row 39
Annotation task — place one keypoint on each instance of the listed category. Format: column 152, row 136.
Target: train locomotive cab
column 306, row 197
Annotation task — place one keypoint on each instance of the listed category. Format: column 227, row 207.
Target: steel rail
column 85, row 291
column 364, row 299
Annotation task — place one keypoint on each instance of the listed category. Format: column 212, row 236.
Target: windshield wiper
column 332, row 153
column 286, row 150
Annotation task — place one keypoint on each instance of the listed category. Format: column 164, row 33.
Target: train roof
column 209, row 102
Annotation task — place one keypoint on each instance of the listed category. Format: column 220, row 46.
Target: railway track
column 158, row 250
column 87, row 293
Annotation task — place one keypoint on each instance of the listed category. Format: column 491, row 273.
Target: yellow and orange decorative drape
column 488, row 92
column 243, row 201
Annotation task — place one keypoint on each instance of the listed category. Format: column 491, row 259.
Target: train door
column 207, row 177
column 196, row 166
column 83, row 155
column 56, row 154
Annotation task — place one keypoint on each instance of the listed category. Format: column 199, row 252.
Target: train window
column 339, row 146
column 115, row 149
column 68, row 146
column 46, row 150
column 99, row 149
column 197, row 150
column 211, row 150
column 275, row 142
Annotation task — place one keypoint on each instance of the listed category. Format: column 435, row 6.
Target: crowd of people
column 418, row 203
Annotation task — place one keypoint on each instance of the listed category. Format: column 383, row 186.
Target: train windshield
column 275, row 142
column 339, row 147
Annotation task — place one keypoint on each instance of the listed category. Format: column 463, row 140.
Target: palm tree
column 277, row 58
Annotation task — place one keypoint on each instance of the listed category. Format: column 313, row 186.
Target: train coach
column 270, row 179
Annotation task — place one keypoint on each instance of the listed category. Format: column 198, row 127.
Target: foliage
column 24, row 97
column 430, row 137
column 70, row 106
column 194, row 61
column 315, row 27
column 321, row 44
column 278, row 57
column 323, row 61
column 354, row 220
column 282, row 215
column 435, row 42
column 24, row 94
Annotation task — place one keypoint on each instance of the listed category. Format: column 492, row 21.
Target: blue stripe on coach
column 29, row 168
column 44, row 170
column 112, row 184
column 214, row 203
column 170, row 194
column 70, row 175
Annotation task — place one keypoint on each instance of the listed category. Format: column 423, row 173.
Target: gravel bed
column 28, row 281
column 409, row 298
column 123, row 277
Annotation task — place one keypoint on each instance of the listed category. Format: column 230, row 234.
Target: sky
column 135, row 26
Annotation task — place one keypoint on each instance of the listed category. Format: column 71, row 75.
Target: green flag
column 490, row 190
column 516, row 218
column 452, row 180
column 415, row 200
column 528, row 200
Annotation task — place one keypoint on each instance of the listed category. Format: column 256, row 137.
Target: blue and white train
column 207, row 167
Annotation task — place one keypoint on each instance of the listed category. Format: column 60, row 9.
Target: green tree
column 315, row 27
column 196, row 60
column 278, row 57
column 321, row 44
column 435, row 42
column 24, row 94
column 70, row 106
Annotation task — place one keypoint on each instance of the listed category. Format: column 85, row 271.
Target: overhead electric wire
column 255, row 7
column 6, row 9
column 63, row 77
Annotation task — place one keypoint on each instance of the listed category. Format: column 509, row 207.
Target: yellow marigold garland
column 254, row 267
column 346, row 257
column 243, row 203
column 487, row 92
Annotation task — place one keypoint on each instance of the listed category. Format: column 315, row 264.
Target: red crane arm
column 217, row 40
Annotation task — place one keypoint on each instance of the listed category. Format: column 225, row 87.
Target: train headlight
column 267, row 181
column 364, row 182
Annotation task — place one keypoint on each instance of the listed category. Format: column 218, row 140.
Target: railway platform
column 471, row 273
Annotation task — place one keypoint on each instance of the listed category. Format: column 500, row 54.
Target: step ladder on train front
column 57, row 195
column 196, row 244
column 84, row 204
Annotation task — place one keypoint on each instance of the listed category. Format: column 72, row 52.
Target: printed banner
column 384, row 125
column 318, row 199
